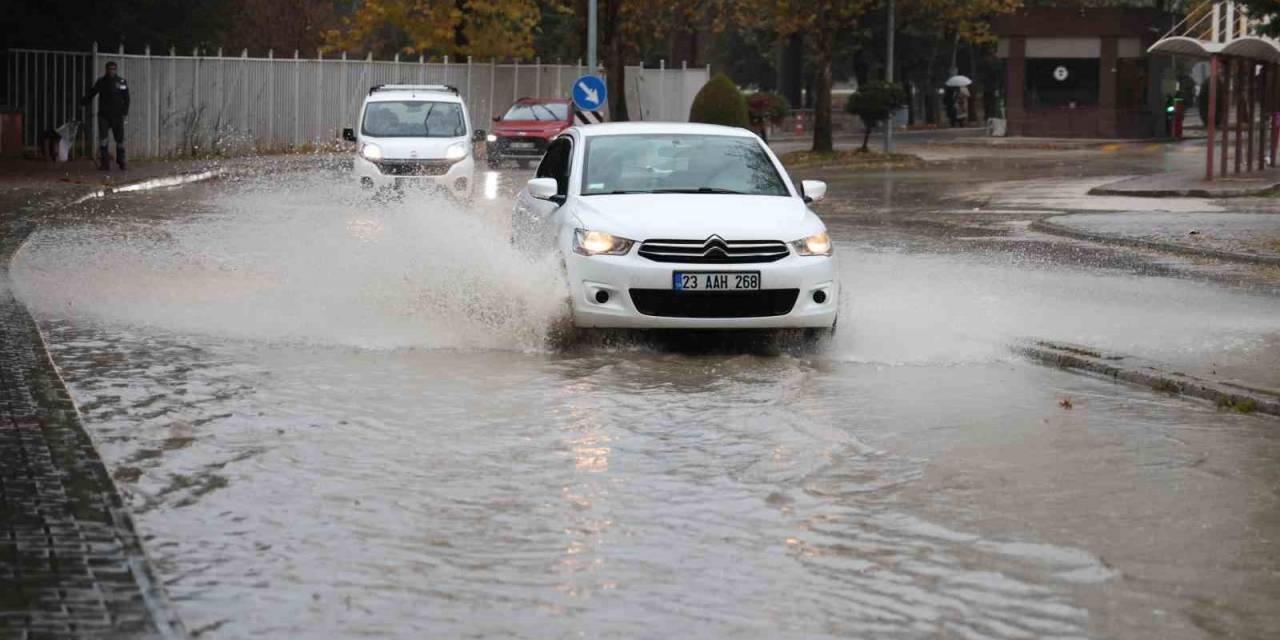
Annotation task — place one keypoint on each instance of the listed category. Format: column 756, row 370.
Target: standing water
column 341, row 417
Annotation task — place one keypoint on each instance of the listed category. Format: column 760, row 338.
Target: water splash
column 295, row 258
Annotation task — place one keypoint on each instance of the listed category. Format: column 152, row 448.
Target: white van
column 415, row 135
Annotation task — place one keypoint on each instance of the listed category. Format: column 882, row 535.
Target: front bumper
column 458, row 179
column 618, row 275
column 501, row 148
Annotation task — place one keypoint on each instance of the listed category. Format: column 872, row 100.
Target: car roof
column 690, row 128
column 412, row 94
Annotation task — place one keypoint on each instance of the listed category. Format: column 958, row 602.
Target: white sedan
column 679, row 226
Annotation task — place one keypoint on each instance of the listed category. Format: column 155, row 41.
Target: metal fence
column 201, row 104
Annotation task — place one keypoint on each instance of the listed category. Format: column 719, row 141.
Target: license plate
column 522, row 145
column 715, row 280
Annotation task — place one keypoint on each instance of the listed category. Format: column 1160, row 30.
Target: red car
column 522, row 133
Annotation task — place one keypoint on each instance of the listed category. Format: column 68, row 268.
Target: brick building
column 1084, row 73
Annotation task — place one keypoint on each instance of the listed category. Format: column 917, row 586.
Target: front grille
column 414, row 167
column 503, row 146
column 714, row 304
column 714, row 250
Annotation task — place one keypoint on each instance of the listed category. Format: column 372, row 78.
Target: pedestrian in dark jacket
column 113, row 108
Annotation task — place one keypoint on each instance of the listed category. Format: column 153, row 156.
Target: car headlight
column 371, row 151
column 456, row 151
column 491, row 138
column 599, row 243
column 818, row 244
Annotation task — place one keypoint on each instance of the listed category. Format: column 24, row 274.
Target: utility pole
column 591, row 37
column 888, row 77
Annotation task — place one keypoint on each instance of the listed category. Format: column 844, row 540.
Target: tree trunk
column 615, row 65
column 930, row 92
column 822, row 142
column 866, row 136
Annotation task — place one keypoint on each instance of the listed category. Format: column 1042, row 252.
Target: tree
column 629, row 29
column 483, row 28
column 719, row 102
column 1261, row 9
column 873, row 103
column 282, row 25
column 822, row 23
column 934, row 23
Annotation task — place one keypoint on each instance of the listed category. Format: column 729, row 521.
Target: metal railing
column 216, row 104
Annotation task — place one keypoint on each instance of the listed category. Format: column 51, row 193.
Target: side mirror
column 349, row 134
column 543, row 188
column 813, row 190
column 478, row 135
column 497, row 118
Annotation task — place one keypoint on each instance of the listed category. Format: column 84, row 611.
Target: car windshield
column 679, row 164
column 414, row 119
column 548, row 111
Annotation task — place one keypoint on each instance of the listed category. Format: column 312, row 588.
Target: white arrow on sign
column 592, row 95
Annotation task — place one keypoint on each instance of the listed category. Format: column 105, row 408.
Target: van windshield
column 413, row 119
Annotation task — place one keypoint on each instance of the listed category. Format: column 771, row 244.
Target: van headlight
column 456, row 151
column 491, row 138
column 818, row 244
column 599, row 243
column 371, row 152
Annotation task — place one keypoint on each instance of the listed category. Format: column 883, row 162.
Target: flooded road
column 338, row 418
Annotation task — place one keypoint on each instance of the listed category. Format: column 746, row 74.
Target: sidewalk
column 71, row 564
column 1252, row 238
column 1192, row 184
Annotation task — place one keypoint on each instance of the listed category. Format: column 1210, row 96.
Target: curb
column 1153, row 375
column 63, row 420
column 1046, row 226
column 1108, row 190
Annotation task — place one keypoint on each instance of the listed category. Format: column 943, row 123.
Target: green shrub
column 873, row 103
column 719, row 102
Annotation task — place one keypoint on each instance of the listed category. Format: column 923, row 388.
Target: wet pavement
column 337, row 417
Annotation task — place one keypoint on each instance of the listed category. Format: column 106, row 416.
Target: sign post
column 589, row 93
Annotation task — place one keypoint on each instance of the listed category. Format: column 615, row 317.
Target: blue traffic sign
column 589, row 93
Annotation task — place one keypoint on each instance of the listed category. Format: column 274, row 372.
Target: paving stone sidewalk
column 71, row 563
column 1245, row 237
column 1190, row 182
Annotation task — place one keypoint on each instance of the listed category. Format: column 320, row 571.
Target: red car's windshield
column 548, row 111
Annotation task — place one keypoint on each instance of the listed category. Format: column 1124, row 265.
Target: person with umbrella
column 958, row 100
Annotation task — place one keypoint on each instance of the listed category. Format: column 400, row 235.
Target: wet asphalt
column 341, row 417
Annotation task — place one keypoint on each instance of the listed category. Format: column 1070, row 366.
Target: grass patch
column 1237, row 403
column 850, row 159
column 1166, row 386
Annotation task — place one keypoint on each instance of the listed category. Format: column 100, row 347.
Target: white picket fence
column 200, row 104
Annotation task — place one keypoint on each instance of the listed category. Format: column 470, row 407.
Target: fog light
column 602, row 296
column 460, row 184
column 819, row 296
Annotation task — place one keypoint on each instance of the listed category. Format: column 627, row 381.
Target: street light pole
column 888, row 76
column 591, row 37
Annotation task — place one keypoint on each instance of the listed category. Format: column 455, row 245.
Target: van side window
column 555, row 164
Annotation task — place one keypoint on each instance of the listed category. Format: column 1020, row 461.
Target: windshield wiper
column 698, row 190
